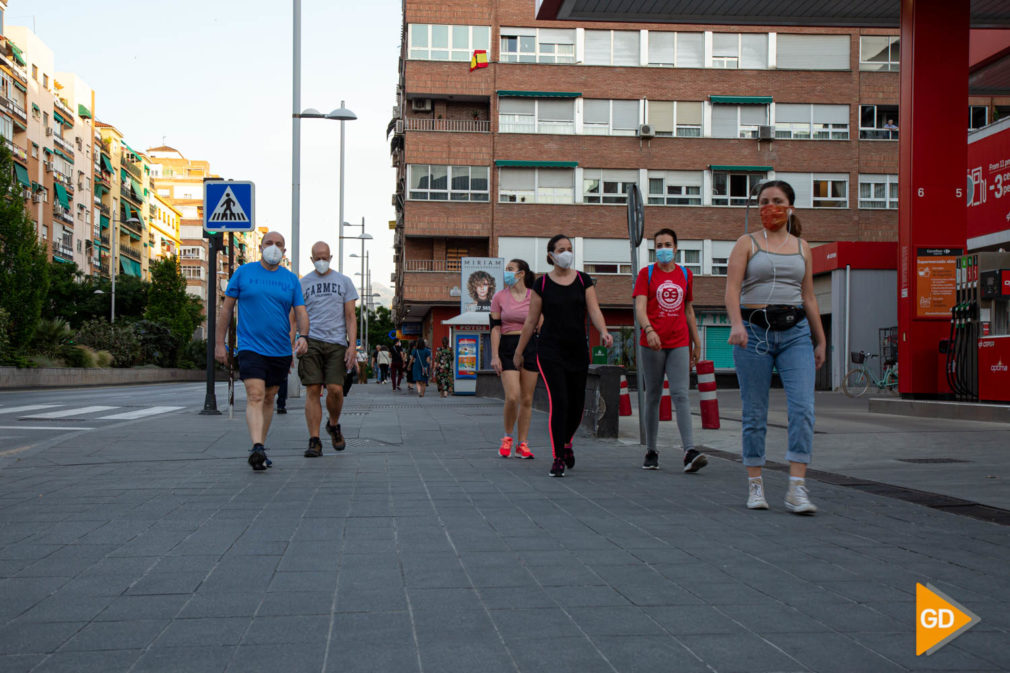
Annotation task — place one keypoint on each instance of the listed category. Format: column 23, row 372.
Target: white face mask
column 273, row 254
column 322, row 266
column 563, row 259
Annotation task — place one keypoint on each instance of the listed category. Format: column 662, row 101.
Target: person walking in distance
column 564, row 297
column 384, row 361
column 509, row 309
column 773, row 313
column 663, row 294
column 443, row 368
column 396, row 365
column 329, row 300
column 420, row 365
column 266, row 294
column 362, row 357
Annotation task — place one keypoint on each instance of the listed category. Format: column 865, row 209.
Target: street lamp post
column 114, row 238
column 364, row 262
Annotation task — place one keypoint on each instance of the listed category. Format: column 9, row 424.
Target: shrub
column 77, row 356
column 6, row 354
column 118, row 339
column 103, row 359
column 194, row 355
column 51, row 334
column 158, row 346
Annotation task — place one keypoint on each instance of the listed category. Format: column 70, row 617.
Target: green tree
column 24, row 269
column 380, row 322
column 168, row 302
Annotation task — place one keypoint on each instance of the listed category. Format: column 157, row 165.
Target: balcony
column 16, row 150
column 19, row 72
column 64, row 145
column 14, row 107
column 126, row 191
column 64, row 108
column 449, row 125
column 131, row 251
column 152, row 211
column 127, row 162
column 125, row 226
column 62, row 214
column 64, row 249
column 431, row 265
column 105, row 210
column 103, row 180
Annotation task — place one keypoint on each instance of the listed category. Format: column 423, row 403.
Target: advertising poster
column 989, row 186
column 480, row 278
column 466, row 355
column 936, row 276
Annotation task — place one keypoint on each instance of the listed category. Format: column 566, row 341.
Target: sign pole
column 210, row 399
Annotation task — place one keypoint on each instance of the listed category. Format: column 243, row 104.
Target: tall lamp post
column 297, row 114
column 114, row 238
column 364, row 261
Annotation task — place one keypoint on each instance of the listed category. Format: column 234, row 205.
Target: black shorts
column 507, row 350
column 273, row 370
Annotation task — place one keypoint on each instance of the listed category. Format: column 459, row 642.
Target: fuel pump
column 978, row 350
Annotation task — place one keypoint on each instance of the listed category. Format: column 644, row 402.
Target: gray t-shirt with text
column 324, row 300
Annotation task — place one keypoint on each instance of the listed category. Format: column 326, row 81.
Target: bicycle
column 857, row 380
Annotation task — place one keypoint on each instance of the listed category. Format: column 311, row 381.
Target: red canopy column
column 932, row 213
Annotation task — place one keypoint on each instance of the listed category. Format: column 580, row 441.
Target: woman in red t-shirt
column 670, row 343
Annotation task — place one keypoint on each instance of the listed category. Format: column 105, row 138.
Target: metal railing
column 18, row 151
column 127, row 162
column 126, row 191
column 105, row 210
column 431, row 265
column 132, row 251
column 64, row 249
column 62, row 214
column 14, row 107
column 135, row 228
column 449, row 125
column 64, row 108
column 63, row 145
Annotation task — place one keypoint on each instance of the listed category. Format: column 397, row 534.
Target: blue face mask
column 664, row 255
column 510, row 278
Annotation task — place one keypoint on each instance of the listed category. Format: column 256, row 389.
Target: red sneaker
column 524, row 451
column 506, row 447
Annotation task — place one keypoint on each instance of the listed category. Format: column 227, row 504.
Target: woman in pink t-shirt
column 508, row 313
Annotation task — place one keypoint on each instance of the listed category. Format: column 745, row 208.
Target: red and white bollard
column 624, row 409
column 706, row 390
column 665, row 404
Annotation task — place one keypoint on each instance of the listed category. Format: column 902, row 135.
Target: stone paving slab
column 426, row 552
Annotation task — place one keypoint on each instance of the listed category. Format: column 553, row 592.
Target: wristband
column 649, row 327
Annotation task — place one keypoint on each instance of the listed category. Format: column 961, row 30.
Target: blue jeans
column 791, row 353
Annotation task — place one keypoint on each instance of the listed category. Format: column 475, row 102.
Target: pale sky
column 212, row 78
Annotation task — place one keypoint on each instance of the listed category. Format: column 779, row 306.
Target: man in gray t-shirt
column 329, row 300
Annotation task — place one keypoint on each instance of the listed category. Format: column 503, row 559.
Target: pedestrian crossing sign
column 228, row 205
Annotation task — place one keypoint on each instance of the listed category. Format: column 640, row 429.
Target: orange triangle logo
column 939, row 619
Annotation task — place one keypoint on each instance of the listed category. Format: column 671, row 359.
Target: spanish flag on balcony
column 478, row 60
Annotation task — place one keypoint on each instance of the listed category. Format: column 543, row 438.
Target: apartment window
column 978, row 116
column 675, row 118
column 536, row 185
column 607, row 186
column 612, row 47
column 720, row 257
column 437, row 42
column 606, row 256
column 35, row 72
column 448, row 183
column 543, row 115
column 688, row 255
column 879, row 52
column 806, row 122
column 830, row 191
column 681, row 50
column 610, row 117
column 45, row 81
column 731, row 51
column 730, row 188
column 531, row 45
column 878, row 122
column 812, row 52
column 674, row 188
column 192, row 272
column 738, row 121
column 6, row 127
column 878, row 192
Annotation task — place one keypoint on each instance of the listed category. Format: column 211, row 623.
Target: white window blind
column 516, row 178
column 596, row 112
column 606, row 250
column 792, row 112
column 556, row 110
column 831, row 114
column 754, row 50
column 661, row 116
column 597, row 47
column 751, row 115
column 690, row 50
column 812, row 52
column 801, row 184
column 523, row 106
column 626, row 49
column 724, row 121
column 662, row 48
column 557, row 177
column 625, row 115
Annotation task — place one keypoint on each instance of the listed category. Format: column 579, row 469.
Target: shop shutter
column 717, row 349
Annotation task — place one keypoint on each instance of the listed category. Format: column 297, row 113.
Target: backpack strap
column 682, row 270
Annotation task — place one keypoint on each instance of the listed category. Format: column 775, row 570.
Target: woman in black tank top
column 564, row 297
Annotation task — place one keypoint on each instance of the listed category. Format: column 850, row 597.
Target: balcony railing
column 64, row 249
column 126, row 161
column 14, row 107
column 131, row 251
column 105, row 210
column 431, row 265
column 64, row 145
column 62, row 214
column 128, row 226
column 449, row 125
column 64, row 108
column 18, row 151
column 126, row 191
column 20, row 72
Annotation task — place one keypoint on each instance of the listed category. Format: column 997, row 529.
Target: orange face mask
column 774, row 216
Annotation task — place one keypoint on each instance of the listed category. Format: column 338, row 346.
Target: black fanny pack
column 775, row 318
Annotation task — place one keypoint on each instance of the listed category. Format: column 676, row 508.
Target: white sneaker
column 756, row 497
column 797, row 499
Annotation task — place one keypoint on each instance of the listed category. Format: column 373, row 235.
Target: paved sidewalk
column 151, row 546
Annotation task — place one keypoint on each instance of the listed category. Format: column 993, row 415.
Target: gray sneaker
column 756, row 496
column 798, row 500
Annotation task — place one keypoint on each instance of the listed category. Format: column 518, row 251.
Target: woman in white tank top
column 775, row 325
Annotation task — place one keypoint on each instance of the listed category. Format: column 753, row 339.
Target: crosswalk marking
column 140, row 413
column 66, row 413
column 27, row 407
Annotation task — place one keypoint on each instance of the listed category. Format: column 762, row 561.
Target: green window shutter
column 717, row 349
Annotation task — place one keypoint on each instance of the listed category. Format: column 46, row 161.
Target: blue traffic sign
column 228, row 205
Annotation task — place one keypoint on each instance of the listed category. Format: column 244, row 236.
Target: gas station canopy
column 870, row 13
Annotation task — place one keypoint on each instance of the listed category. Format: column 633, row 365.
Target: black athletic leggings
column 566, row 393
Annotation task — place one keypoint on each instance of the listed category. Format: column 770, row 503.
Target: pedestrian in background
column 565, row 297
column 282, row 397
column 509, row 309
column 420, row 359
column 396, row 361
column 408, row 359
column 266, row 294
column 443, row 368
column 362, row 359
column 773, row 313
column 663, row 294
column 374, row 361
column 383, row 360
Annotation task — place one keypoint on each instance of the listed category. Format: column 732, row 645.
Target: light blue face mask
column 510, row 278
column 664, row 255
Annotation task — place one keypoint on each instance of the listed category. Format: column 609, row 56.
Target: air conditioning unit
column 49, row 131
column 646, row 131
column 394, row 199
column 420, row 105
column 37, row 197
column 396, row 111
column 766, row 133
column 49, row 166
column 399, row 127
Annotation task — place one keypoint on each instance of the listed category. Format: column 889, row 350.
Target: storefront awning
column 130, row 267
column 539, row 94
column 741, row 100
column 742, row 169
column 510, row 163
column 61, row 195
column 22, row 175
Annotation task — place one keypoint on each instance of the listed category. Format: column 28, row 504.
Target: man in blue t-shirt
column 265, row 293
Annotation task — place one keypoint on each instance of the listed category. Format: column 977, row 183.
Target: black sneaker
column 694, row 461
column 335, row 437
column 568, row 455
column 651, row 461
column 558, row 468
column 258, row 457
column 315, row 449
column 282, row 410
